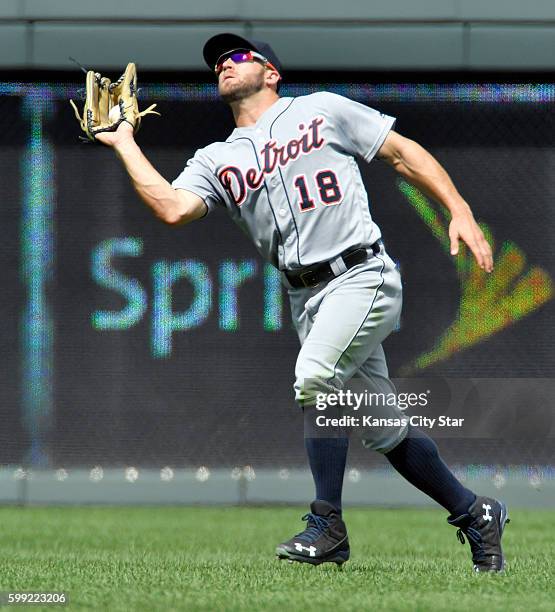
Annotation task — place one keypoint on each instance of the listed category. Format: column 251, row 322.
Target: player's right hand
column 115, row 139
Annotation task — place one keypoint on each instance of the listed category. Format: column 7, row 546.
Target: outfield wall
column 126, row 342
column 518, row 487
column 403, row 35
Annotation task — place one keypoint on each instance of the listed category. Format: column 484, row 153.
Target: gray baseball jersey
column 291, row 181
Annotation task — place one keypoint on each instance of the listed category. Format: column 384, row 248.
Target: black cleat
column 323, row 541
column 483, row 526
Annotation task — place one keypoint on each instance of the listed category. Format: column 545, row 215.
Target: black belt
column 319, row 273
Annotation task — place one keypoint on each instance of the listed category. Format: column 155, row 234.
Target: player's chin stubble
column 238, row 89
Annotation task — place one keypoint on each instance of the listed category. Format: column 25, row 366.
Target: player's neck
column 248, row 110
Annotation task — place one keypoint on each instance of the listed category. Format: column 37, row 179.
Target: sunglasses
column 239, row 56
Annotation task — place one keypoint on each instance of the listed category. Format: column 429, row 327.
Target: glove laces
column 149, row 111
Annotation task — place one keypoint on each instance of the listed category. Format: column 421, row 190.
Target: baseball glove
column 107, row 104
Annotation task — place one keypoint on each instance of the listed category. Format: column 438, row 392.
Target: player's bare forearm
column 420, row 168
column 172, row 206
column 151, row 187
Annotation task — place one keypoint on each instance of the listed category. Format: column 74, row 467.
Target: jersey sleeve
column 199, row 178
column 362, row 130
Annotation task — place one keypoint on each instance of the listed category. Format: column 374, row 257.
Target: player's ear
column 272, row 77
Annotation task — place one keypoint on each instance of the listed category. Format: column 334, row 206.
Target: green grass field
column 222, row 559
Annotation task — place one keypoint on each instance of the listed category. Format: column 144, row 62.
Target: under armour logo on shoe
column 310, row 549
column 487, row 516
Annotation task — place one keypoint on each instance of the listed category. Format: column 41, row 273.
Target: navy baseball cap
column 222, row 43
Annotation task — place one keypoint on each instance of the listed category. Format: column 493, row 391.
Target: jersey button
column 282, row 212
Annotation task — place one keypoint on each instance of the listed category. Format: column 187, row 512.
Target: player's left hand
column 463, row 227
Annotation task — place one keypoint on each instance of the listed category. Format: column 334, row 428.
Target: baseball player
column 288, row 176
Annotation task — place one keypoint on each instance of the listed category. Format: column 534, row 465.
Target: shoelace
column 315, row 527
column 475, row 541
